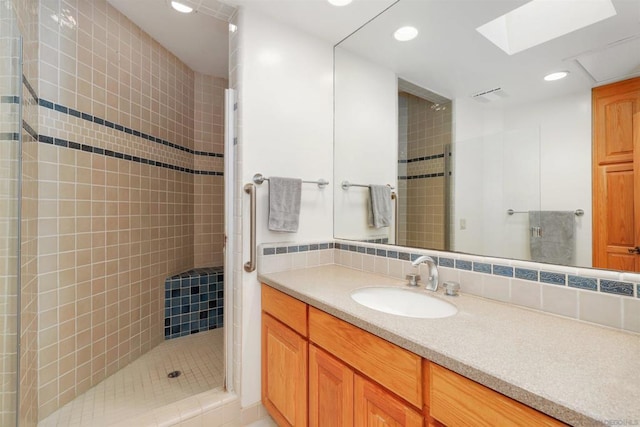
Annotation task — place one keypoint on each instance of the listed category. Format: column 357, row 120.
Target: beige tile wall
column 110, row 230
column 28, row 12
column 209, row 190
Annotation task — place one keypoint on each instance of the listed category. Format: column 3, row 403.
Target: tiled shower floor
column 143, row 385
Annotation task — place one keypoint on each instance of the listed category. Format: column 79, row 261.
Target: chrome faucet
column 432, row 281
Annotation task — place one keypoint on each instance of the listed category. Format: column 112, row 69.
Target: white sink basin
column 403, row 302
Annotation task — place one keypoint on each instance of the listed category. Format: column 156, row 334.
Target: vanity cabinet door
column 330, row 390
column 376, row 407
column 284, row 373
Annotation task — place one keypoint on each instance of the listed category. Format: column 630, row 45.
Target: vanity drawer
column 458, row 401
column 288, row 310
column 395, row 368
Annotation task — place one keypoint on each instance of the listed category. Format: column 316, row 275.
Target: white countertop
column 580, row 373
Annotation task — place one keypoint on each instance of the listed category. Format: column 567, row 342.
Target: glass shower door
column 10, row 140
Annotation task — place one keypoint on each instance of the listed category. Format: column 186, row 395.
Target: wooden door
column 284, row 373
column 376, row 407
column 616, row 176
column 330, row 390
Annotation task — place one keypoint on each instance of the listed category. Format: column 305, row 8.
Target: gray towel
column 557, row 243
column 379, row 206
column 284, row 204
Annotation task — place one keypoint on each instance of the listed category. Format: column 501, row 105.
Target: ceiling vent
column 490, row 95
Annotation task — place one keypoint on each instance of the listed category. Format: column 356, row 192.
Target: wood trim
column 288, row 310
column 458, row 401
column 393, row 367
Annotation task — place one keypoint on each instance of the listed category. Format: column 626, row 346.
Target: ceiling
column 201, row 39
column 449, row 57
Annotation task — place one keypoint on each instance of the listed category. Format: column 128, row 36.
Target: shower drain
column 174, row 374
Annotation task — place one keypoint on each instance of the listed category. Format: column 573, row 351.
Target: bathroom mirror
column 472, row 138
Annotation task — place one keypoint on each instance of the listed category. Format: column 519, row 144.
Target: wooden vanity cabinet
column 455, row 400
column 318, row 370
column 330, row 390
column 284, row 358
column 375, row 406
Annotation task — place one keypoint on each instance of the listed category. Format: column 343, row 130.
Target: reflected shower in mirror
column 486, row 155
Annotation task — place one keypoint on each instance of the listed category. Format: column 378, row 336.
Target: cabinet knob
column 635, row 250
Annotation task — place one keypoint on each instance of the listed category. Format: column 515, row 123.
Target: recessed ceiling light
column 556, row 76
column 539, row 21
column 404, row 34
column 181, row 7
column 339, row 2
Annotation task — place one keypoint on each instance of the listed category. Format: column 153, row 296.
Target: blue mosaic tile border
column 9, row 99
column 32, row 99
column 30, row 88
column 548, row 277
column 421, row 176
column 421, row 159
column 193, row 302
column 297, row 248
column 9, row 136
column 97, row 120
column 96, row 150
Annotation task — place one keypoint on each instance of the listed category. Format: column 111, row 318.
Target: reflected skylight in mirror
column 539, row 21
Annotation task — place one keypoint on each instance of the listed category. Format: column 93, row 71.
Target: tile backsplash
column 609, row 298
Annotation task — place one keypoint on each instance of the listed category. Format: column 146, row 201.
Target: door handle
column 635, row 250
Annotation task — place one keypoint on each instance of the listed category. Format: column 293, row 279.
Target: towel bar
column 578, row 212
column 259, row 179
column 347, row 184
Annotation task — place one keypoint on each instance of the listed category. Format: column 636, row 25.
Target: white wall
column 286, row 129
column 366, row 114
column 565, row 146
column 563, row 126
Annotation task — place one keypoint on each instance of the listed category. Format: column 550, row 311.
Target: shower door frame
column 229, row 234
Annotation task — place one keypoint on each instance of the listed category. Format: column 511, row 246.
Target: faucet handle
column 451, row 288
column 413, row 279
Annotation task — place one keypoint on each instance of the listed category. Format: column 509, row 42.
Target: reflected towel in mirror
column 284, row 204
column 379, row 206
column 557, row 242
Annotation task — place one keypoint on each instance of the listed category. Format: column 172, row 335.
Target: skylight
column 539, row 21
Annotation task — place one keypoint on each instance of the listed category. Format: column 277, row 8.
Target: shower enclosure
column 10, row 138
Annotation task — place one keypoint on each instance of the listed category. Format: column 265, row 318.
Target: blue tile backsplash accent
column 530, row 274
column 193, row 302
column 614, row 287
column 482, row 267
column 463, row 265
column 445, row 262
column 583, row 282
column 503, row 270
column 553, row 278
column 526, row 274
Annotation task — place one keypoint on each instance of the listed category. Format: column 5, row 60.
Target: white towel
column 379, row 206
column 284, row 204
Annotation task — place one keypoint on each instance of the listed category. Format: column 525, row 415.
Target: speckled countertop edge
column 327, row 288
